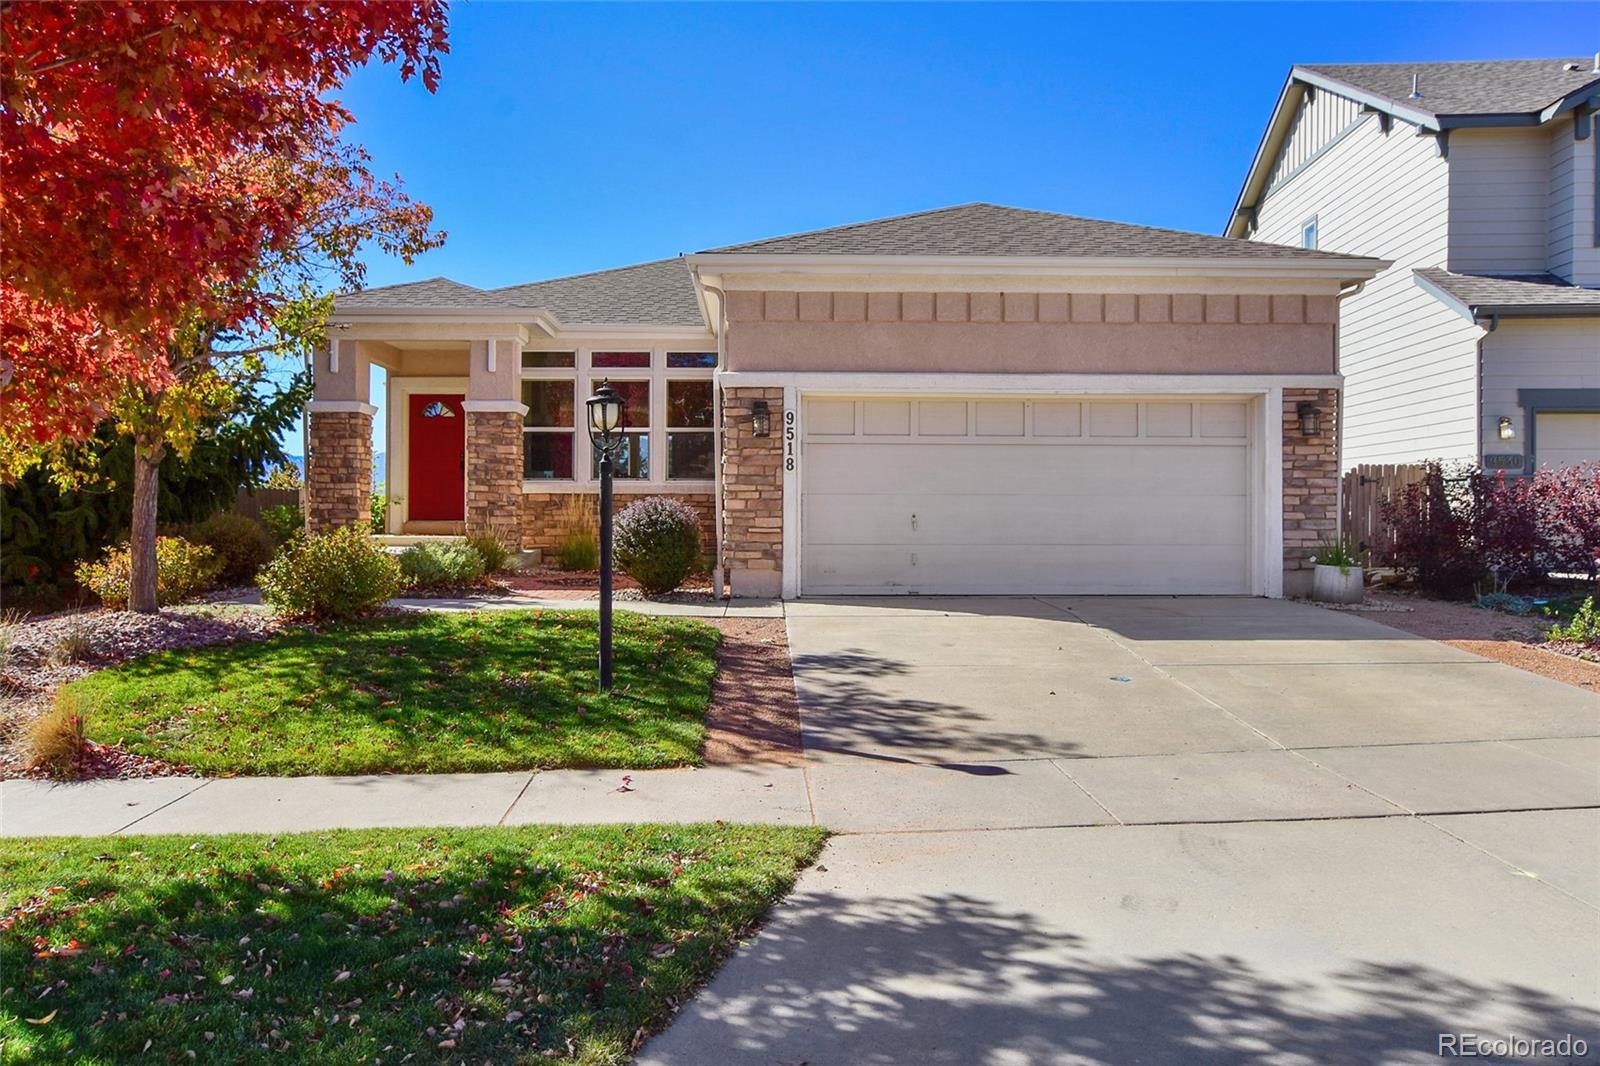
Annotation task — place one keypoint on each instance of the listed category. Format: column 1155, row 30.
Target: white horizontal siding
column 1410, row 363
column 1572, row 250
column 1534, row 354
column 1499, row 200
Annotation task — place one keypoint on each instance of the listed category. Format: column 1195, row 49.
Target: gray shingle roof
column 981, row 229
column 647, row 294
column 1520, row 293
column 1490, row 87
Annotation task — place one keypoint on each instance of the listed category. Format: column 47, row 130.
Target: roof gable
column 1491, row 87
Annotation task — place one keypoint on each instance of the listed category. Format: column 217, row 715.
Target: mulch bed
column 753, row 716
column 1506, row 638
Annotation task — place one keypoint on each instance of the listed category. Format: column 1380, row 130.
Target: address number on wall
column 788, row 440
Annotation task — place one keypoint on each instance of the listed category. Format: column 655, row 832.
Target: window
column 633, row 459
column 691, row 360
column 548, row 429
column 691, row 447
column 536, row 360
column 1308, row 233
column 614, row 360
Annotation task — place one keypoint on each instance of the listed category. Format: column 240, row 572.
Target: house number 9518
column 788, row 440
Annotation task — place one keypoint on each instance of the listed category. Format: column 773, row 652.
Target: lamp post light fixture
column 604, row 409
column 1507, row 430
column 1310, row 419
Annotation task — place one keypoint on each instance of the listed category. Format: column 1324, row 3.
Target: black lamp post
column 605, row 418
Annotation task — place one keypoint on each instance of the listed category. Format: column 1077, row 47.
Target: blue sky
column 574, row 137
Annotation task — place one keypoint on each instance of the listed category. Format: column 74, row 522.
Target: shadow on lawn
column 955, row 979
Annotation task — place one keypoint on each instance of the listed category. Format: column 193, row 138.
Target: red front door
column 437, row 460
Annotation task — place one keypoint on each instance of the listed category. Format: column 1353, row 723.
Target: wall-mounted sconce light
column 761, row 417
column 1310, row 419
column 1507, row 430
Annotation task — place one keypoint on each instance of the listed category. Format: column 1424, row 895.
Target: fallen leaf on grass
column 46, row 1020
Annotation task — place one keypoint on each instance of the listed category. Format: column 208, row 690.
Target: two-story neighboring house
column 1478, row 181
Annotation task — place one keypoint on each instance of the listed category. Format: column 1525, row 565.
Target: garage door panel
column 1567, row 438
column 974, row 496
column 1023, row 469
column 844, row 570
column 948, row 519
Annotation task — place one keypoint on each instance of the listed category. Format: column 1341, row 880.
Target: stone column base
column 338, row 470
column 494, row 474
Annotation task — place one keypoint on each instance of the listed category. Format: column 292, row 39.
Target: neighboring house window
column 669, row 414
column 1308, row 233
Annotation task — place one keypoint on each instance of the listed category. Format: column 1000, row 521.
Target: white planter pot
column 1330, row 586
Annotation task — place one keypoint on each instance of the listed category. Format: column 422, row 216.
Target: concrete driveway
column 1169, row 831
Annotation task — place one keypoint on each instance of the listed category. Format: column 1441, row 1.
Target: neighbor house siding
column 1573, row 250
column 1410, row 363
column 1534, row 354
column 1499, row 201
column 1318, row 121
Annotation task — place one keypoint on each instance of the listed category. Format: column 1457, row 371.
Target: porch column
column 494, row 412
column 1310, row 484
column 752, row 494
column 338, row 473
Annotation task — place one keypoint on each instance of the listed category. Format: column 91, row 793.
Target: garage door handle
column 913, row 521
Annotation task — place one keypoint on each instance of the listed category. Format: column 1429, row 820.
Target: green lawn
column 429, row 692
column 485, row 945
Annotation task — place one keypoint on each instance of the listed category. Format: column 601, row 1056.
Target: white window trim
column 586, row 379
column 1315, row 227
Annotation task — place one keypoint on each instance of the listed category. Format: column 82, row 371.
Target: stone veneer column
column 1310, row 484
column 494, row 474
column 752, row 494
column 339, row 469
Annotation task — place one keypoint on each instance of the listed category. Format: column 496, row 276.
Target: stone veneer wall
column 542, row 526
column 338, row 470
column 494, row 473
column 752, row 494
column 1310, row 484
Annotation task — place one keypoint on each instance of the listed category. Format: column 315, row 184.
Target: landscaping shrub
column 1584, row 627
column 1338, row 551
column 578, row 551
column 182, row 569
column 242, row 546
column 658, row 542
column 1459, row 528
column 284, row 521
column 55, row 739
column 496, row 555
column 337, row 574
column 75, row 644
column 378, row 507
column 431, row 564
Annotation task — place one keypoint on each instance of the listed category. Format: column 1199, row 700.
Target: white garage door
column 1009, row 496
column 1565, row 439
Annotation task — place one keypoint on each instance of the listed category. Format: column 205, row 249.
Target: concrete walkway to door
column 1168, row 831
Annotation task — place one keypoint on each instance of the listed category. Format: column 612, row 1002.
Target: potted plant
column 1338, row 577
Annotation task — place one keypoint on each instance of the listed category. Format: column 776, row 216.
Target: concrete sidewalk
column 855, row 796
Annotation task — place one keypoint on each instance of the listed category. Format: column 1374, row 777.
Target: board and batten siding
column 1499, row 201
column 1318, row 121
column 1410, row 363
column 1527, row 353
column 1573, row 245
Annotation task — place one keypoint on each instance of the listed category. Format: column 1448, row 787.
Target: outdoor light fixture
column 1507, row 431
column 1310, row 419
column 761, row 417
column 605, row 419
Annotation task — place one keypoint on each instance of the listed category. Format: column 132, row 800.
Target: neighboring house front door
column 437, row 457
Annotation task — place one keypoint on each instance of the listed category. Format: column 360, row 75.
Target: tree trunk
column 147, row 455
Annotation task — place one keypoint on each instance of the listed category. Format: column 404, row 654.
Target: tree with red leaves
column 133, row 197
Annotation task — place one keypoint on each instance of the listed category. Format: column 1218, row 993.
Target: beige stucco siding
column 1410, row 363
column 1027, row 332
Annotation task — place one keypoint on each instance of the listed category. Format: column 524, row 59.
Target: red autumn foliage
column 129, row 198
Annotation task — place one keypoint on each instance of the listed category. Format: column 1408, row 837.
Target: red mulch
column 100, row 762
column 548, row 578
column 753, row 716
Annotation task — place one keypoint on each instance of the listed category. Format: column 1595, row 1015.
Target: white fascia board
column 1404, row 112
column 1444, row 297
column 721, row 269
column 601, row 331
column 1588, row 94
column 355, row 407
column 1255, row 178
column 959, row 384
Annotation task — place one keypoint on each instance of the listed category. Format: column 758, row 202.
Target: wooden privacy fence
column 1366, row 488
column 251, row 502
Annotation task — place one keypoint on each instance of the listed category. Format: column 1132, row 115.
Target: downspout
column 716, row 422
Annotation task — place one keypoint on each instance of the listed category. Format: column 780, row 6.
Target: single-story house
column 977, row 399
